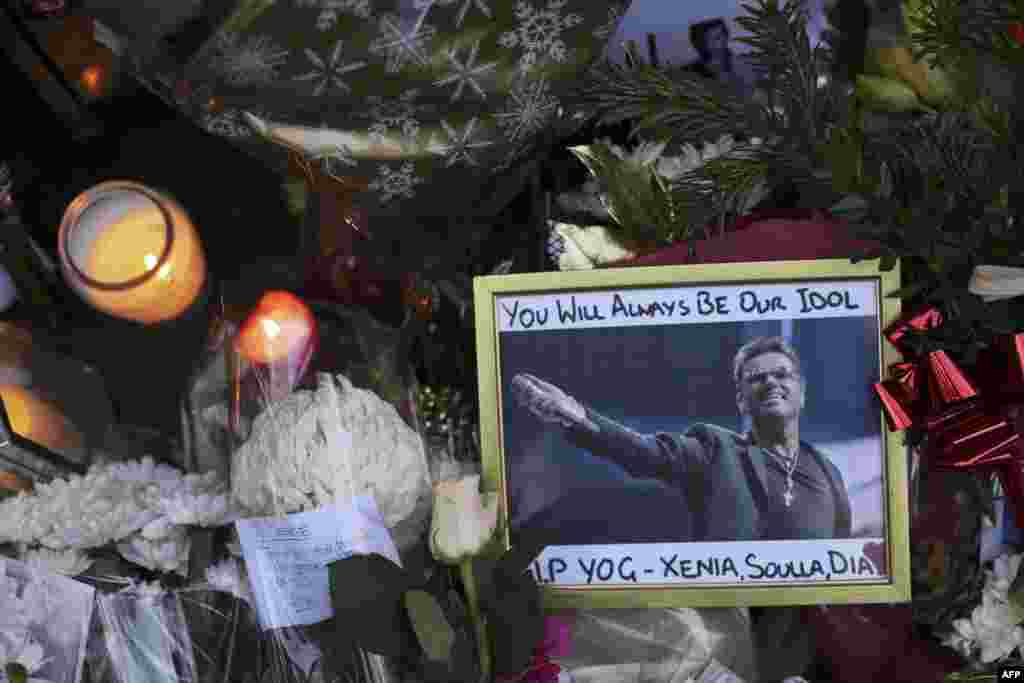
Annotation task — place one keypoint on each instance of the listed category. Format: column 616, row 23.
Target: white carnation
column 320, row 447
column 142, row 501
column 993, row 631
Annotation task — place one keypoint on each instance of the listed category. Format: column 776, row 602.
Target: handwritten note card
column 287, row 557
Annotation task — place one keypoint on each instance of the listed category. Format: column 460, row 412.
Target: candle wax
column 127, row 248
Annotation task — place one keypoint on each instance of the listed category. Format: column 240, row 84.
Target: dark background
column 664, row 378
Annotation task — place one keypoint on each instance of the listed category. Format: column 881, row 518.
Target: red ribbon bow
column 967, row 425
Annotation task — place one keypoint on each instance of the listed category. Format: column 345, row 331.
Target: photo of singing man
column 760, row 483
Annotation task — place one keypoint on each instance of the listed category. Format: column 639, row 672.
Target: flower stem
column 483, row 643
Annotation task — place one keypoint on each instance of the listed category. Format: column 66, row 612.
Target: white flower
column 464, row 520
column 992, row 628
column 110, row 503
column 646, row 153
column 321, row 447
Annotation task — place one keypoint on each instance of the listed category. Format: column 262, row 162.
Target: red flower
column 1016, row 32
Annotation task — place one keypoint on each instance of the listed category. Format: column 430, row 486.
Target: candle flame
column 92, row 78
column 271, row 327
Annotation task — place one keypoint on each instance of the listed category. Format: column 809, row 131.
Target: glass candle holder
column 131, row 252
column 54, row 410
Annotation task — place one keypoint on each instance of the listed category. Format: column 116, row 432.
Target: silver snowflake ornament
column 396, row 182
column 401, row 46
column 462, row 144
column 392, row 116
column 538, row 33
column 466, row 72
column 244, row 63
column 530, row 107
column 329, row 73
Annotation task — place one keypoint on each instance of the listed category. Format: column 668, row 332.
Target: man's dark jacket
column 720, row 473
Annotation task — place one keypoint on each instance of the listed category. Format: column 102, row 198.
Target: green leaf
column 909, row 291
column 366, row 593
column 511, row 599
column 436, row 635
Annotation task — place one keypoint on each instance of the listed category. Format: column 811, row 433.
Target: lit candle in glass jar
column 131, row 252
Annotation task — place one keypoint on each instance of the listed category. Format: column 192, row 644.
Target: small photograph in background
column 44, row 622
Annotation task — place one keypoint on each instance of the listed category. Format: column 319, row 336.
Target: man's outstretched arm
column 660, row 456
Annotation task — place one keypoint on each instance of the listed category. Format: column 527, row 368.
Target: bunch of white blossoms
column 688, row 160
column 993, row 631
column 323, row 447
column 141, row 505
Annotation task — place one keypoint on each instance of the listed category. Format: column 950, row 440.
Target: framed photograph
column 697, row 435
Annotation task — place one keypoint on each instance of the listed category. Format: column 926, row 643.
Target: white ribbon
column 996, row 283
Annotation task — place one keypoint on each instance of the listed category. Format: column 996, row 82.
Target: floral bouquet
column 992, row 635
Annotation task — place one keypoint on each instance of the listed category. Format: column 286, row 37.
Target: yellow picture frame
column 618, row 284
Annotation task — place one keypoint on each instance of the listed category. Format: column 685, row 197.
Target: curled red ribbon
column 969, row 426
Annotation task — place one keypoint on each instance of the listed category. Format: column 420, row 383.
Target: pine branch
column 673, row 104
column 946, row 154
column 945, row 32
column 795, row 70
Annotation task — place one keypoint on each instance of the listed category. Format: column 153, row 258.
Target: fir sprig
column 946, row 32
column 782, row 53
column 675, row 104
